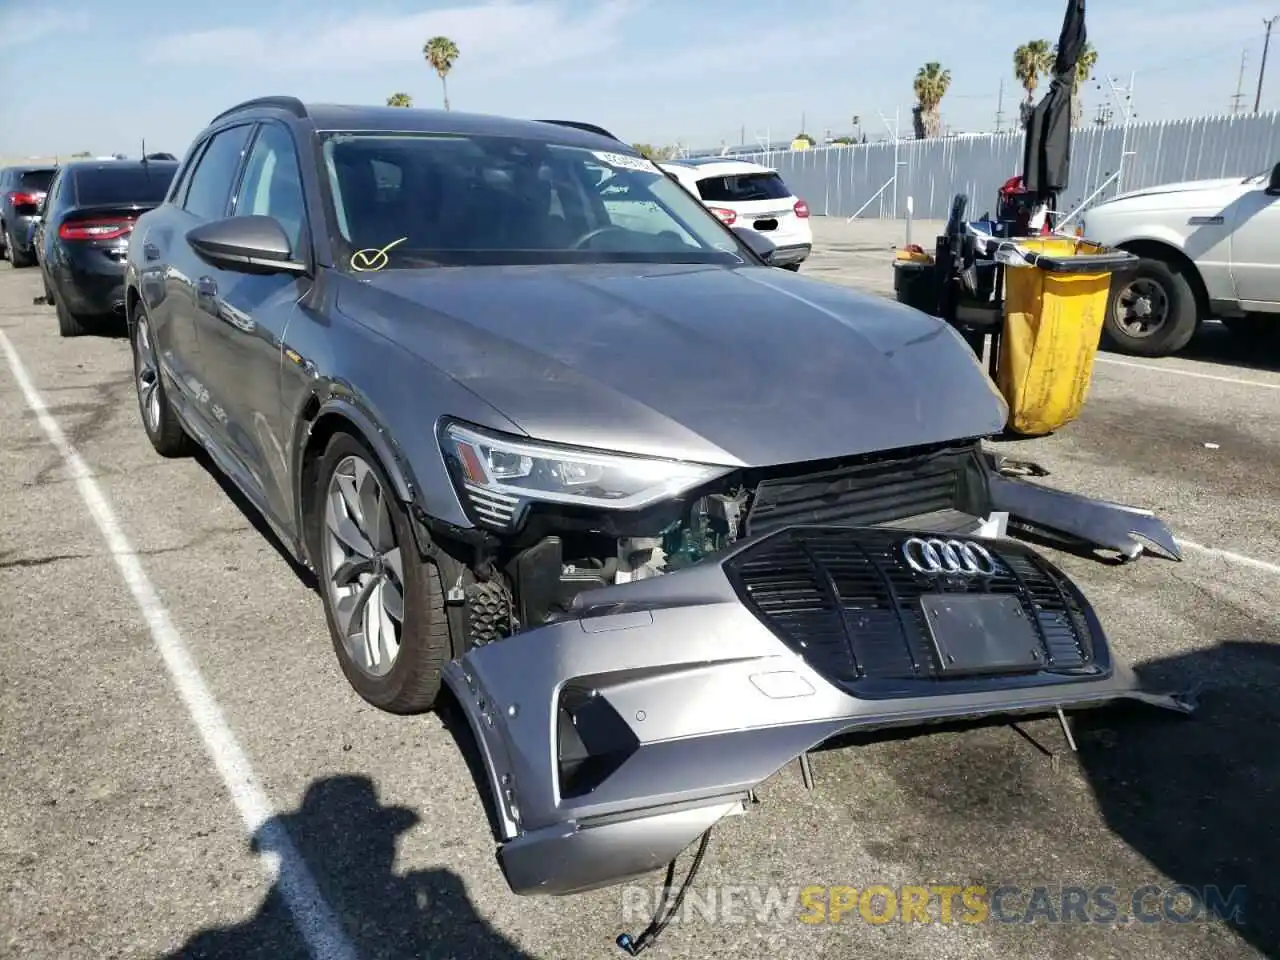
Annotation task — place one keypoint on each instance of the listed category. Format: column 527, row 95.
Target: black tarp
column 1046, row 163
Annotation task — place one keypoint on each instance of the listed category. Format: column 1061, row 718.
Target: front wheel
column 1152, row 312
column 384, row 603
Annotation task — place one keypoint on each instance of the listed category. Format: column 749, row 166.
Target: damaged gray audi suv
column 553, row 437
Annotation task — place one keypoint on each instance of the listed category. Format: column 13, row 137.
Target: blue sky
column 103, row 75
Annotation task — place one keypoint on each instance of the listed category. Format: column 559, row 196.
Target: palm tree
column 1029, row 61
column 932, row 84
column 441, row 53
column 1084, row 73
column 400, row 100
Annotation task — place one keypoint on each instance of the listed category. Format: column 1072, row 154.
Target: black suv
column 22, row 189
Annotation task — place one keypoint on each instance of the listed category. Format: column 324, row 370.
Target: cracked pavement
column 118, row 839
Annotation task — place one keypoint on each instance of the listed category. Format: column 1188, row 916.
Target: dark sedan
column 662, row 518
column 22, row 190
column 83, row 235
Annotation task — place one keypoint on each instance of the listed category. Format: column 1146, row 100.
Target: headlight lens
column 499, row 475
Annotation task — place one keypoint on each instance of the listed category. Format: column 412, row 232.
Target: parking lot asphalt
column 165, row 739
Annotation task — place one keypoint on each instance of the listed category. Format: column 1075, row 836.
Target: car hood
column 1187, row 187
column 738, row 366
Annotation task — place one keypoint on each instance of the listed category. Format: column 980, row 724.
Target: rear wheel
column 16, row 259
column 158, row 419
column 1152, row 312
column 69, row 325
column 384, row 603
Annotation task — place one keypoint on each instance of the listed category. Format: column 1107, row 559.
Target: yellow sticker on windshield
column 371, row 258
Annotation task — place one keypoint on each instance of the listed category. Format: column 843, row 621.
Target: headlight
column 500, row 475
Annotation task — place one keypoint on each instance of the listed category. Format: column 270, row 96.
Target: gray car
column 659, row 517
column 22, row 191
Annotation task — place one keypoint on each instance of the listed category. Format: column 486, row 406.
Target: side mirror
column 760, row 245
column 255, row 244
column 1273, row 188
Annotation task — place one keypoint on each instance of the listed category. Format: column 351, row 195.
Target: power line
column 1262, row 67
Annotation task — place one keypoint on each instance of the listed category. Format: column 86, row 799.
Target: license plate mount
column 981, row 634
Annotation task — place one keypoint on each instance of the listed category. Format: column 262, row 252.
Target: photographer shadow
column 1198, row 799
column 347, row 841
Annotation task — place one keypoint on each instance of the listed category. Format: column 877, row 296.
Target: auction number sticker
column 622, row 161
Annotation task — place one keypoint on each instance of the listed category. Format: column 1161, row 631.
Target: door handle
column 150, row 251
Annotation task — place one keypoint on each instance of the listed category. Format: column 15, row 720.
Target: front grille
column 846, row 601
column 872, row 491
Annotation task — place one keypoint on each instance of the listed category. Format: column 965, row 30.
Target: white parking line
column 1231, row 557
column 1189, row 373
column 313, row 917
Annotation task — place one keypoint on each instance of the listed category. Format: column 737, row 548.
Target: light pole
column 1262, row 67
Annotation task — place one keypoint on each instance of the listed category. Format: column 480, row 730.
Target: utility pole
column 1262, row 67
column 1000, row 107
column 1235, row 101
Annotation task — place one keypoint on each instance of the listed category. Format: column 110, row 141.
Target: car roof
column 717, row 166
column 29, row 167
column 338, row 117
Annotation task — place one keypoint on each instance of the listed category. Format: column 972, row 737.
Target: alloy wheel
column 148, row 374
column 1142, row 308
column 363, row 571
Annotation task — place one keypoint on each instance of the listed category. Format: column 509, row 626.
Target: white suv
column 1207, row 248
column 748, row 195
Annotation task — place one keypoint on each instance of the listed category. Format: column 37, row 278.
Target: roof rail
column 291, row 104
column 578, row 125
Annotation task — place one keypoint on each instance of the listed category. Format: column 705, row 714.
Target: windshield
column 413, row 200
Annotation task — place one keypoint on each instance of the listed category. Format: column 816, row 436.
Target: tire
column 69, row 325
column 411, row 682
column 1163, row 291
column 161, row 424
column 16, row 260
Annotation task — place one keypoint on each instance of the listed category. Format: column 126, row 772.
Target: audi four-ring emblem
column 956, row 557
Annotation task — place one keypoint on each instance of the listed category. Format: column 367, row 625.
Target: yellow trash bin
column 1054, row 303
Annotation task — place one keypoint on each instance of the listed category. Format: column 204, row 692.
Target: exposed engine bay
column 531, row 578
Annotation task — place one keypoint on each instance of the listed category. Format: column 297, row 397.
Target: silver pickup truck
column 1209, row 248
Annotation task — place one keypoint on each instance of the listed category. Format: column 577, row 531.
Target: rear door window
column 123, row 186
column 215, row 174
column 743, row 188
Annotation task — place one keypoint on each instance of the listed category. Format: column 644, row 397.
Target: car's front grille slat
column 863, row 494
column 846, row 600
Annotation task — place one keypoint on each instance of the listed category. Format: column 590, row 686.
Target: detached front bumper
column 613, row 739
